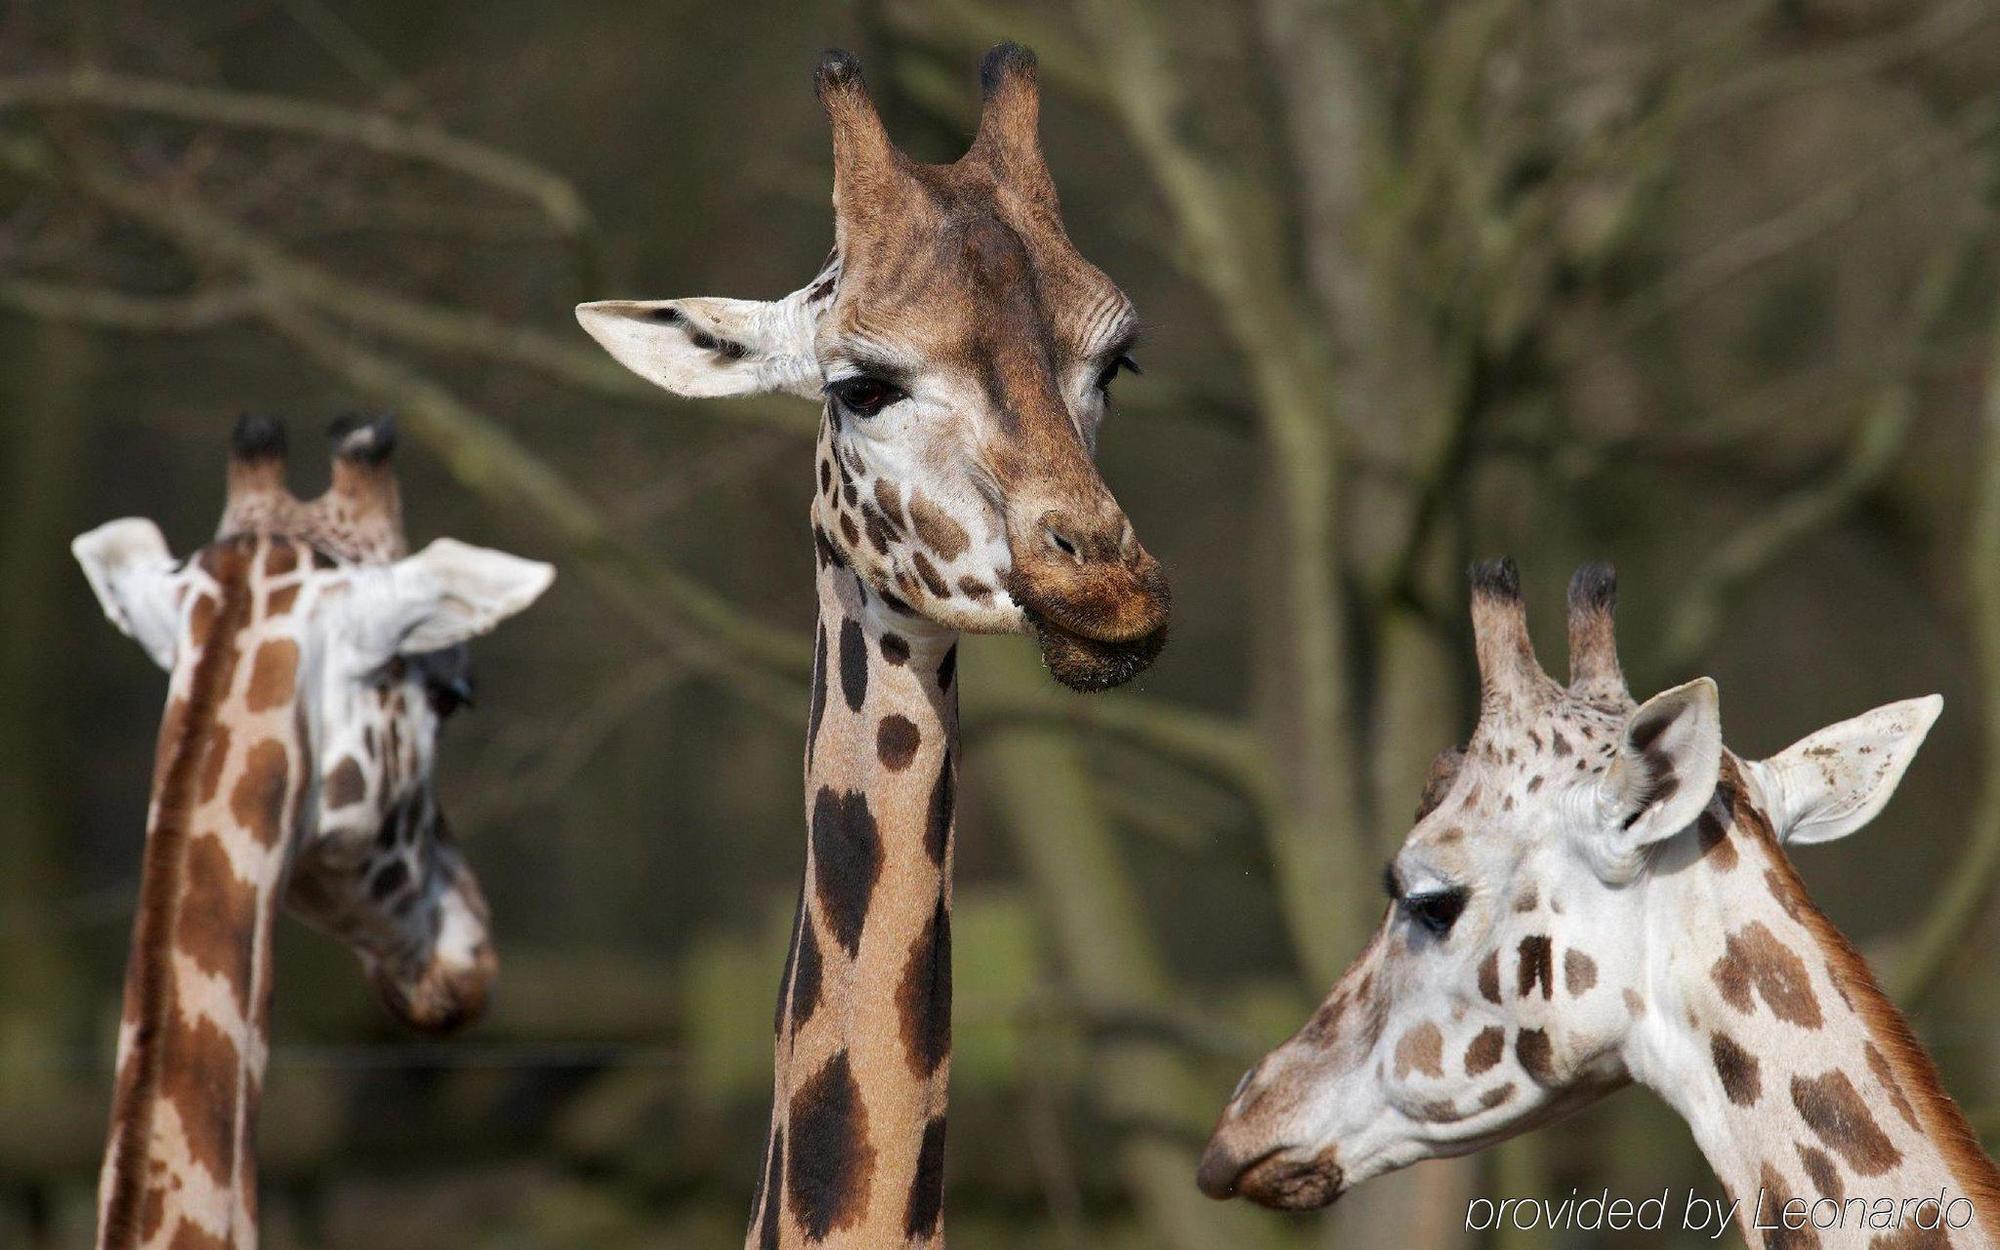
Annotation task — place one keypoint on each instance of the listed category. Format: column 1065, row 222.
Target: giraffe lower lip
column 1088, row 664
column 1290, row 1184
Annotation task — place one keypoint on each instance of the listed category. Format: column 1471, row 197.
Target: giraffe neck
column 856, row 1146
column 1800, row 1080
column 180, row 1167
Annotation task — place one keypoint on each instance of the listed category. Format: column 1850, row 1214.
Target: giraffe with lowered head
column 1598, row 892
column 964, row 352
column 310, row 665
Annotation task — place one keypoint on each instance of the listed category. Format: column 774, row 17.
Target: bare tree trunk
column 1070, row 854
column 48, row 418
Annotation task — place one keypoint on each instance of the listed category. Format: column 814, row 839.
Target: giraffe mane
column 163, row 865
column 1910, row 1064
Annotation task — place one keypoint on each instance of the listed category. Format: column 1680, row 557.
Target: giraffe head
column 368, row 644
column 1529, row 931
column 964, row 351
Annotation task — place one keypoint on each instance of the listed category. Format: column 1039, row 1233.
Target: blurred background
column 1704, row 288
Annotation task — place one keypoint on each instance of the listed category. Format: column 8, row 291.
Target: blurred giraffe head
column 371, row 642
column 964, row 351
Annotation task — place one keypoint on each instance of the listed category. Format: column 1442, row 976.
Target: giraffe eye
column 1123, row 363
column 864, row 396
column 447, row 678
column 1436, row 911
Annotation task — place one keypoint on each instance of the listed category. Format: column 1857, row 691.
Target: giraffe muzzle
column 1277, row 1178
column 1099, row 622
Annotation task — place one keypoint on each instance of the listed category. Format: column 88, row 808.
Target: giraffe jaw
column 1090, row 664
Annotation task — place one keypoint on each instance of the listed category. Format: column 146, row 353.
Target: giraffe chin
column 1290, row 1184
column 1089, row 664
column 440, row 1000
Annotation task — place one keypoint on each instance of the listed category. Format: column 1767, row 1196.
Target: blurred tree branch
column 1232, row 240
column 1804, row 221
column 376, row 132
column 1872, row 450
column 1968, row 888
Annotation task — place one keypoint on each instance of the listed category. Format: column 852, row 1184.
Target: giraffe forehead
column 979, row 280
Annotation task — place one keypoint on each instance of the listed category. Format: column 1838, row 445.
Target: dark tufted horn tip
column 368, row 440
column 1003, row 61
column 1593, row 588
column 257, row 436
column 837, row 71
column 1496, row 579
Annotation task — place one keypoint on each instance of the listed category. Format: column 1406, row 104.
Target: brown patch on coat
column 896, row 742
column 1489, row 976
column 1485, row 1050
column 1787, row 898
column 1528, row 899
column 1325, row 1023
column 923, row 998
column 199, row 1081
column 1713, row 837
column 1537, row 1055
column 1880, row 1067
column 1821, row 1171
column 345, row 785
column 218, row 914
column 936, row 528
column 1420, row 1049
column 1738, row 1069
column 1437, row 782
column 273, row 675
column 1754, row 960
column 1537, row 967
column 214, row 758
column 891, row 504
column 932, row 579
column 258, row 801
column 1579, row 972
column 1833, row 1109
column 1776, row 1193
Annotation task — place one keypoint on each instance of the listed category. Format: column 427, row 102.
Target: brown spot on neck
column 1754, row 960
column 1738, row 1068
column 1833, row 1109
column 273, row 675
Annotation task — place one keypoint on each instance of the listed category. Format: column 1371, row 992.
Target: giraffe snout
column 1090, row 576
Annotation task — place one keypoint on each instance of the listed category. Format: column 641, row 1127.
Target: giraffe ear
column 706, row 347
column 448, row 593
column 1669, row 760
column 1833, row 781
column 132, row 572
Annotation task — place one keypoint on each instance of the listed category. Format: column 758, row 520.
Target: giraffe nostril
column 1243, row 1084
column 1062, row 542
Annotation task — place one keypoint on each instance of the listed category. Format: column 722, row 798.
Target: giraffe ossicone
column 1596, row 892
column 964, row 352
column 311, row 664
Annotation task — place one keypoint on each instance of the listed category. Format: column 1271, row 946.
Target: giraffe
column 1598, row 892
column 964, row 352
column 310, row 666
